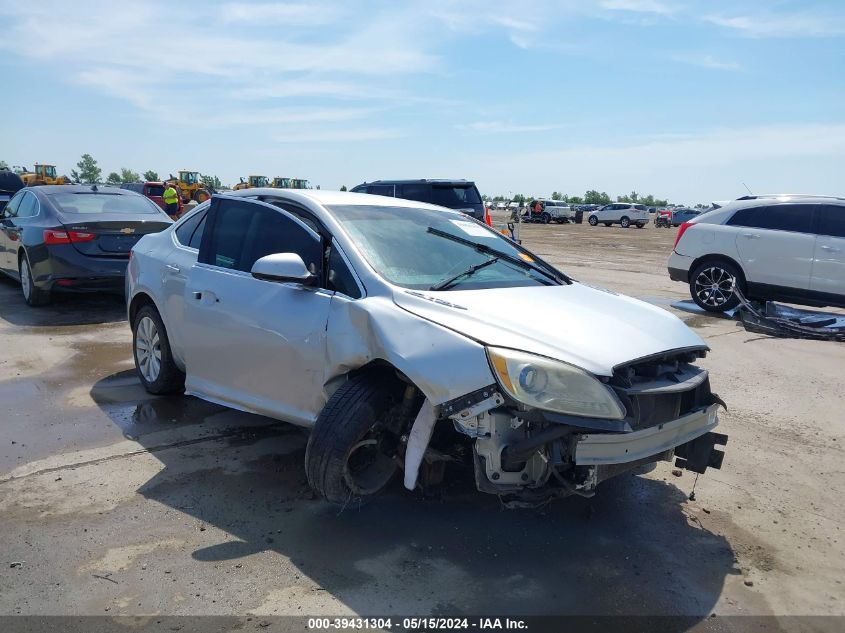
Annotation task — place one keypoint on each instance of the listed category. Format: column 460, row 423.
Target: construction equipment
column 42, row 175
column 190, row 186
column 290, row 183
column 253, row 181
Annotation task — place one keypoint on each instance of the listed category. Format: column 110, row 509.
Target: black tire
column 710, row 285
column 201, row 195
column 625, row 222
column 168, row 378
column 608, row 223
column 640, row 225
column 593, row 220
column 351, row 417
column 32, row 294
column 545, row 218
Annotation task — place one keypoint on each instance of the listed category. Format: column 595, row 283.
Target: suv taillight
column 681, row 230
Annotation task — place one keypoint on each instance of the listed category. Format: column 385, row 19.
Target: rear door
column 776, row 244
column 8, row 234
column 829, row 259
column 253, row 344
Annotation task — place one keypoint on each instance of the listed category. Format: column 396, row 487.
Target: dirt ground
column 115, row 502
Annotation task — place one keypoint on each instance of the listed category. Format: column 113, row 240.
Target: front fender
column 442, row 363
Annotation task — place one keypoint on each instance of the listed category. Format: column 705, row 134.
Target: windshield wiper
column 469, row 271
column 483, row 248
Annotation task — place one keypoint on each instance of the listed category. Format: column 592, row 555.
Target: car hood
column 589, row 327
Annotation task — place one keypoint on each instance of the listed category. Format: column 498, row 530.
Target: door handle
column 172, row 267
column 751, row 236
column 206, row 296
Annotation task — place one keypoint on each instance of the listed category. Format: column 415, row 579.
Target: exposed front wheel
column 32, row 294
column 153, row 358
column 545, row 218
column 351, row 453
column 593, row 220
column 711, row 286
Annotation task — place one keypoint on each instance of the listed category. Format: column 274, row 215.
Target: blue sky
column 683, row 99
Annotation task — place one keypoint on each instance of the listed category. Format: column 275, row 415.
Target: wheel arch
column 140, row 300
column 717, row 258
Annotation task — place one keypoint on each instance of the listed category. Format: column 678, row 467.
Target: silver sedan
column 411, row 338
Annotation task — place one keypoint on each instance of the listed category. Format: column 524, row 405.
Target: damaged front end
column 658, row 408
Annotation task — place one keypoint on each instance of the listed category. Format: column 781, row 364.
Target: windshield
column 412, row 248
column 103, row 203
column 455, row 196
column 50, row 171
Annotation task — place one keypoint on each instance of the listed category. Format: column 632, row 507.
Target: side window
column 11, row 209
column 418, row 192
column 186, row 231
column 28, row 206
column 797, row 218
column 359, row 189
column 381, row 190
column 340, row 277
column 832, row 220
column 244, row 232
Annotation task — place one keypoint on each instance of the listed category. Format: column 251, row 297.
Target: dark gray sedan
column 73, row 238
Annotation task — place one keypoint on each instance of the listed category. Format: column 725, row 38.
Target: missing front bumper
column 599, row 449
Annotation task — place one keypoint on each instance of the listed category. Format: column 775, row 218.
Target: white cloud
column 782, row 25
column 499, row 127
column 337, row 136
column 638, row 6
column 276, row 13
column 706, row 61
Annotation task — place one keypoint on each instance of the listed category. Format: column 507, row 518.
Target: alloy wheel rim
column 26, row 280
column 148, row 349
column 714, row 286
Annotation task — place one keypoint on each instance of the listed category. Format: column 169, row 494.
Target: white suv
column 622, row 213
column 777, row 247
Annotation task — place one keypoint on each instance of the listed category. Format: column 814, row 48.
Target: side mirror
column 282, row 267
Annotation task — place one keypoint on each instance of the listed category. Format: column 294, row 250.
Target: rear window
column 455, row 196
column 641, row 207
column 155, row 190
column 92, row 203
column 781, row 217
column 832, row 220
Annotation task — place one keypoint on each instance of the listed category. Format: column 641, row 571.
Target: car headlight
column 552, row 385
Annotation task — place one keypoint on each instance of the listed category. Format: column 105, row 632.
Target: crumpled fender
column 443, row 364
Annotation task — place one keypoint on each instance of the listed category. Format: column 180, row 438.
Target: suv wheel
column 593, row 220
column 711, row 286
column 545, row 218
column 625, row 222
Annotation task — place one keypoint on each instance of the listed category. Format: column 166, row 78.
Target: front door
column 829, row 259
column 252, row 344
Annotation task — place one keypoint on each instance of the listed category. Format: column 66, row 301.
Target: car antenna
column 749, row 190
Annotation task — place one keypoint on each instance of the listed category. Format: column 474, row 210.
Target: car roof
column 433, row 181
column 49, row 189
column 328, row 198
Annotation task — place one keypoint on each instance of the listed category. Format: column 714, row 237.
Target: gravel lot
column 114, row 502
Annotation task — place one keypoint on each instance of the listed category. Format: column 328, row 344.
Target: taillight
column 56, row 237
column 681, row 230
column 66, row 237
column 78, row 236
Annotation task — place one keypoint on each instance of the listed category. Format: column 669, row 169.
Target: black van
column 461, row 195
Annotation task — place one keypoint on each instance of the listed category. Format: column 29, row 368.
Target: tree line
column 590, row 197
column 88, row 171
